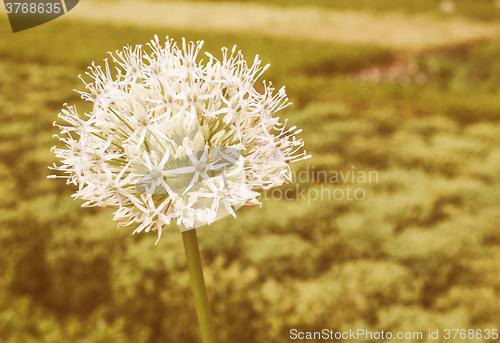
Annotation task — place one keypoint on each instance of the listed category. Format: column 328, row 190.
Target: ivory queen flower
column 173, row 138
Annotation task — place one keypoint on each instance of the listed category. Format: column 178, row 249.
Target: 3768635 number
column 33, row 7
column 470, row 334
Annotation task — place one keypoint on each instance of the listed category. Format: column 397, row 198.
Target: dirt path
column 394, row 30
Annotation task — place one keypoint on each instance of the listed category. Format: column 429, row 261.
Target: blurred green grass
column 420, row 252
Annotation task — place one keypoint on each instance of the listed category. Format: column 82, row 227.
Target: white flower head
column 171, row 138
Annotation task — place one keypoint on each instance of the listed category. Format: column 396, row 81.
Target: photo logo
column 25, row 14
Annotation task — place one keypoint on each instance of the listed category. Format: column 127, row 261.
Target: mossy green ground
column 421, row 251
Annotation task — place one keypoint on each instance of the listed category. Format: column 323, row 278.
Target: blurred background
column 407, row 90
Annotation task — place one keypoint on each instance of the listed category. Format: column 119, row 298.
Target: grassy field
column 421, row 250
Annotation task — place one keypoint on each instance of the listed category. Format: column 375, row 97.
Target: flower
column 171, row 138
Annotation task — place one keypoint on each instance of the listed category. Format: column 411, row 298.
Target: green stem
column 198, row 285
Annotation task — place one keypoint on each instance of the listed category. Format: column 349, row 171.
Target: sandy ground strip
column 393, row 30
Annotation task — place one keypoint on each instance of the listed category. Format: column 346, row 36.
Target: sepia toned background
column 407, row 90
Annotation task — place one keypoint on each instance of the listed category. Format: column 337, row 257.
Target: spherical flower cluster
column 173, row 138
